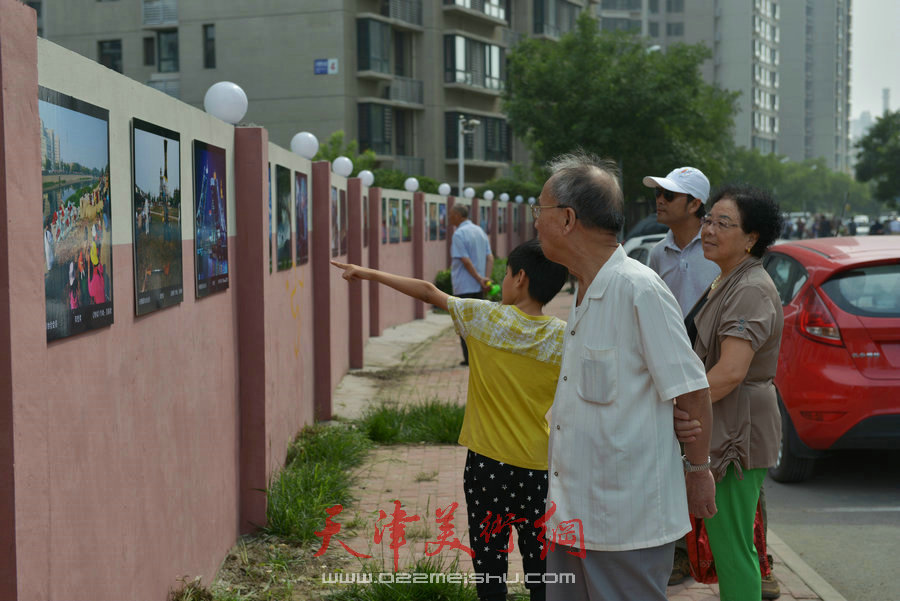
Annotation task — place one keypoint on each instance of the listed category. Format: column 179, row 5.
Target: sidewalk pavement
column 418, row 361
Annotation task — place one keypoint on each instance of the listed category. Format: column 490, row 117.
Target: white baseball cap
column 684, row 180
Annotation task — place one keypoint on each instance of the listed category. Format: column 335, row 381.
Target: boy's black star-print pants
column 515, row 497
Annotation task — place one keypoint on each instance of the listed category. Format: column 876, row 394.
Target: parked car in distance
column 645, row 227
column 838, row 378
column 639, row 247
column 862, row 224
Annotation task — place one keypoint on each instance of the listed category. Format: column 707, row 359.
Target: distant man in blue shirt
column 678, row 258
column 471, row 261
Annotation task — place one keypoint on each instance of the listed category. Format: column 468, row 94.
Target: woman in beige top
column 736, row 331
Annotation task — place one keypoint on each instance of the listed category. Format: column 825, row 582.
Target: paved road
column 845, row 522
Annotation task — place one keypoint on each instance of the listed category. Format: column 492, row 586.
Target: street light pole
column 465, row 126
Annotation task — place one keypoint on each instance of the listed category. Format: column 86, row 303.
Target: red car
column 838, row 376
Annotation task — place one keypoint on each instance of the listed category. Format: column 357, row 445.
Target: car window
column 640, row 254
column 868, row 291
column 787, row 274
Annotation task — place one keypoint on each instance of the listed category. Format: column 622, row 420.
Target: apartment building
column 743, row 36
column 815, row 82
column 394, row 74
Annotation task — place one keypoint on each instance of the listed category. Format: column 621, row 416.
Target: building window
column 654, row 6
column 167, row 46
column 373, row 46
column 674, row 6
column 613, row 24
column 209, row 46
column 375, row 127
column 110, row 54
column 490, row 142
column 149, row 52
column 473, row 63
column 621, row 5
column 674, row 29
column 653, row 28
column 554, row 17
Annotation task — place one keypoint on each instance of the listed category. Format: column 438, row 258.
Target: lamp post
column 466, row 126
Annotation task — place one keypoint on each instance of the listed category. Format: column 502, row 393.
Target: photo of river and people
column 158, row 279
column 77, row 214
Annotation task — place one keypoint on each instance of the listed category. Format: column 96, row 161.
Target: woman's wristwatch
column 690, row 467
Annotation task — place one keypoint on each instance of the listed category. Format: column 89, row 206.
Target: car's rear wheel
column 790, row 467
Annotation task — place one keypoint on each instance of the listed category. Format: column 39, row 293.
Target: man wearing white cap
column 678, row 258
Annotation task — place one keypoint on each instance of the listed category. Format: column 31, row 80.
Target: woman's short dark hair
column 590, row 185
column 545, row 278
column 758, row 210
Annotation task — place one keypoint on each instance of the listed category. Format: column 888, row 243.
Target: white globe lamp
column 411, row 184
column 469, row 192
column 305, row 144
column 519, row 198
column 504, row 197
column 531, row 200
column 366, row 177
column 342, row 166
column 444, row 189
column 227, row 101
column 489, row 195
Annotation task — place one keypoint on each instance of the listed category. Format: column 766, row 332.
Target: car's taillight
column 816, row 322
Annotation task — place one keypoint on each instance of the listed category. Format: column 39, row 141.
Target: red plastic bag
column 703, row 566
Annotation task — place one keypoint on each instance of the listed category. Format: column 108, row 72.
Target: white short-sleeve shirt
column 685, row 271
column 615, row 463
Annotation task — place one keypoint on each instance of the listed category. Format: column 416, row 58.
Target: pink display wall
column 134, row 453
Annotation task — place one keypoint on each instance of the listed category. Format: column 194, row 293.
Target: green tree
column 604, row 92
column 394, row 180
column 335, row 147
column 879, row 157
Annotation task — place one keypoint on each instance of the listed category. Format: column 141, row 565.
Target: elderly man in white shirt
column 615, row 468
column 678, row 258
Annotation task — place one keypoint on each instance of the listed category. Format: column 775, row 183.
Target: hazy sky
column 148, row 152
column 875, row 50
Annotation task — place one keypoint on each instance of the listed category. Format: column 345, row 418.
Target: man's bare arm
column 701, row 487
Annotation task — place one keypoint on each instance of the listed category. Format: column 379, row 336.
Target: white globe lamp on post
column 411, row 184
column 469, row 192
column 504, row 197
column 305, row 144
column 531, row 200
column 366, row 177
column 342, row 166
column 444, row 189
column 519, row 199
column 227, row 101
column 489, row 195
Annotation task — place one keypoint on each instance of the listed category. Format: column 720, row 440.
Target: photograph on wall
column 394, row 220
column 210, row 219
column 501, row 211
column 283, row 240
column 384, row 217
column 156, row 158
column 335, row 224
column 342, row 211
column 484, row 219
column 77, row 214
column 365, row 201
column 442, row 221
column 433, row 221
column 301, row 206
column 515, row 218
column 270, row 218
column 406, row 223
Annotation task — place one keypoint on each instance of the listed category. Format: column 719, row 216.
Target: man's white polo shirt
column 614, row 460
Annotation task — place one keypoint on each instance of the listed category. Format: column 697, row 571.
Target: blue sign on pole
column 320, row 66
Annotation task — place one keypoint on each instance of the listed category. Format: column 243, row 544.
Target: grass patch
column 433, row 421
column 425, row 591
column 316, row 476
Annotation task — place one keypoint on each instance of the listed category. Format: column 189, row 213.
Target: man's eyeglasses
column 536, row 209
column 668, row 194
column 722, row 224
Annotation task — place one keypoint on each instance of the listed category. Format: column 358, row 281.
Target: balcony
column 405, row 89
column 409, row 165
column 409, row 11
column 160, row 13
column 490, row 10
